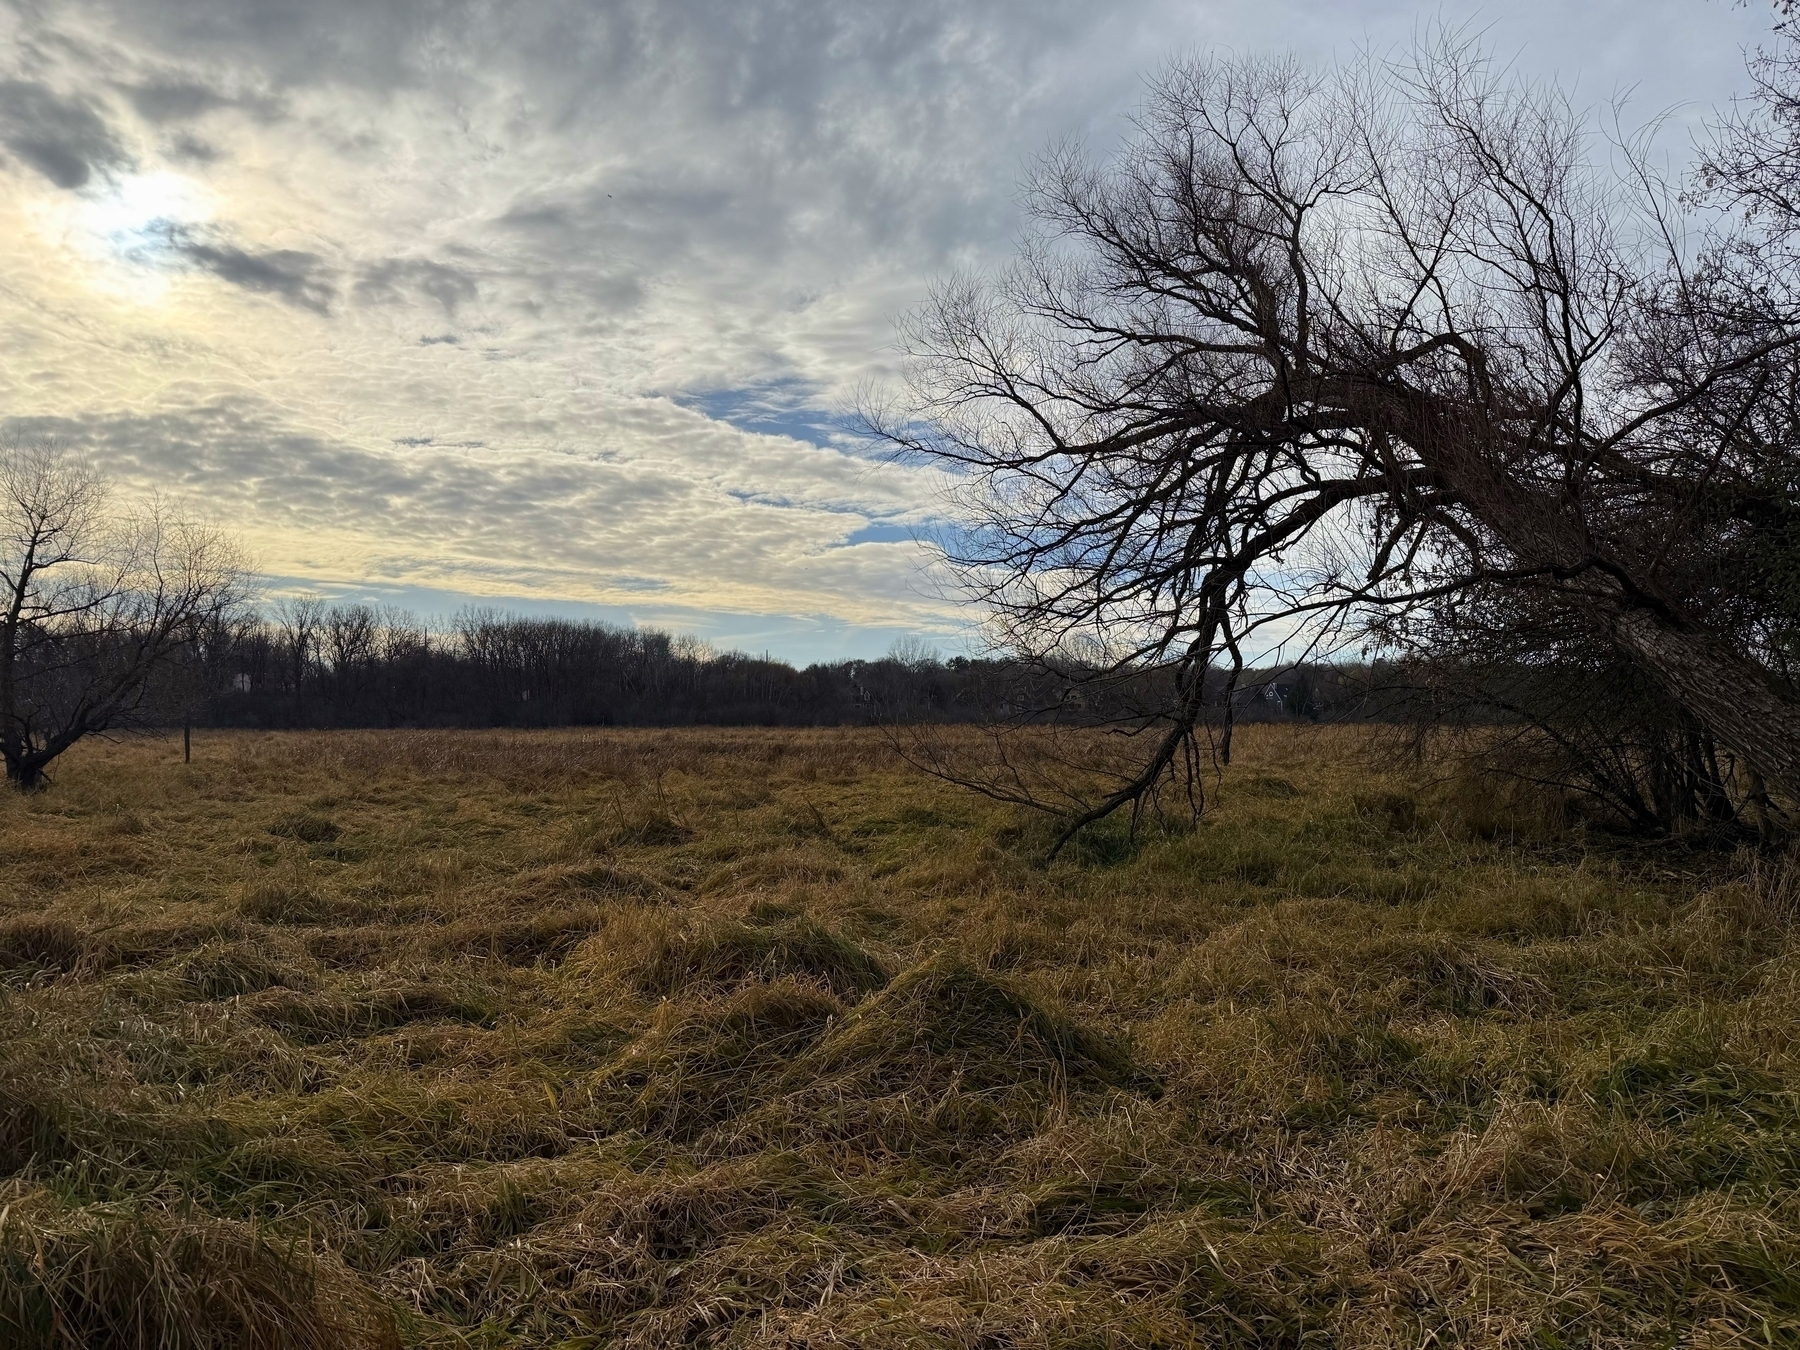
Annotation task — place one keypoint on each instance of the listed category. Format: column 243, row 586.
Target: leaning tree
column 98, row 605
column 1326, row 350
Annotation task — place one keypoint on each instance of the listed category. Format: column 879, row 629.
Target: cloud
column 65, row 139
column 296, row 277
column 186, row 148
column 610, row 264
column 171, row 94
column 392, row 279
column 431, row 510
column 160, row 102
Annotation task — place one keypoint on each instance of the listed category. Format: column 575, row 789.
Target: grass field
column 744, row 1037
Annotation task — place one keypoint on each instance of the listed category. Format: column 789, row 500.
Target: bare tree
column 300, row 620
column 350, row 642
column 99, row 601
column 1317, row 351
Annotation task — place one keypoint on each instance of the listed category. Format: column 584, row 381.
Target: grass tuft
column 151, row 1278
column 229, row 969
column 325, row 1015
column 276, row 902
column 41, row 942
column 702, row 1064
column 306, row 826
column 664, row 955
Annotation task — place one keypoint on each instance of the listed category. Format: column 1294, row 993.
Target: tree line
column 307, row 664
column 304, row 663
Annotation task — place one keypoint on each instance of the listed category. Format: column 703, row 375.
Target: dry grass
column 755, row 1038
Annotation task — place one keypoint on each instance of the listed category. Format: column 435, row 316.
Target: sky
column 558, row 306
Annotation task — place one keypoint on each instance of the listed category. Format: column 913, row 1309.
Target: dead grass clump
column 676, row 1218
column 308, row 827
column 1441, row 972
column 944, row 1058
column 1343, row 951
column 1271, row 786
column 146, row 1278
column 982, row 1029
column 226, row 970
column 1520, row 1233
column 1342, row 1062
column 148, row 942
column 546, row 884
column 654, row 1259
column 1764, row 903
column 40, row 941
column 126, row 823
column 1265, row 953
column 628, row 822
column 701, row 1064
column 327, row 1015
column 267, row 1173
column 649, row 829
column 31, row 1135
column 661, row 954
column 1485, row 798
column 1007, row 943
column 1692, row 1121
column 548, row 936
column 434, row 1215
column 1180, row 1282
column 758, row 1279
column 276, row 902
column 1395, row 810
column 578, row 1040
column 362, row 947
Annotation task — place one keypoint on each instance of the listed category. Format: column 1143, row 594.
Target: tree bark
column 1728, row 694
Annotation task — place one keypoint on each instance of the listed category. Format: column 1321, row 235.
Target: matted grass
column 757, row 1038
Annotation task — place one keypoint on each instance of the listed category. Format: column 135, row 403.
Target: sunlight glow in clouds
column 120, row 229
column 139, row 208
column 134, row 218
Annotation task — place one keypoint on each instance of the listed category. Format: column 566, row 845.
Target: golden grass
column 757, row 1038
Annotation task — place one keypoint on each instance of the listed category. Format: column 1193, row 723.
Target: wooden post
column 187, row 743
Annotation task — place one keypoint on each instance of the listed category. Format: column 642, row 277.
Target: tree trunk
column 1729, row 695
column 25, row 774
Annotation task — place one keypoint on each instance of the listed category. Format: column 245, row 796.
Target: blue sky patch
column 883, row 532
column 778, row 409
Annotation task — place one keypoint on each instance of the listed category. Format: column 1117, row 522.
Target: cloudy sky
column 550, row 304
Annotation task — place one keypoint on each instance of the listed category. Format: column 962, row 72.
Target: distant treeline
column 306, row 664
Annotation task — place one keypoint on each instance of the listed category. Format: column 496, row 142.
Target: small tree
column 99, row 604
